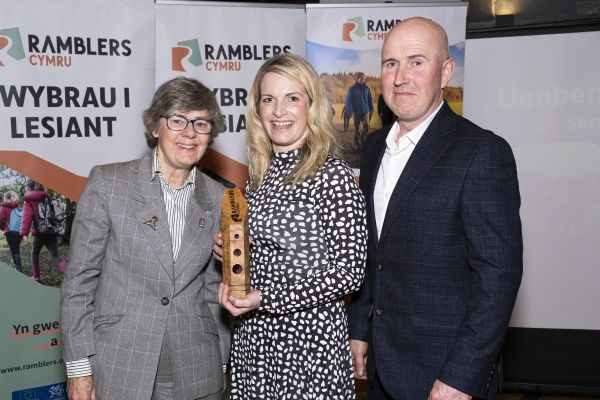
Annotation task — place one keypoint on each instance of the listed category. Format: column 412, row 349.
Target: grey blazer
column 123, row 295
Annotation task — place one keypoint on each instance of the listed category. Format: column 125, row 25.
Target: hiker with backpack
column 39, row 216
column 10, row 222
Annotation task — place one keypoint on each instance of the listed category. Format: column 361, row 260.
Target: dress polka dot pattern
column 308, row 251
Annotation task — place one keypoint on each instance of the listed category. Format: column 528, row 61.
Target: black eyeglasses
column 177, row 123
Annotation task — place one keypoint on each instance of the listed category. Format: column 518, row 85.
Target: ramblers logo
column 11, row 37
column 375, row 29
column 183, row 49
column 353, row 25
column 58, row 51
column 220, row 57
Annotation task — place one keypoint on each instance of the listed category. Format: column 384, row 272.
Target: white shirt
column 176, row 200
column 397, row 152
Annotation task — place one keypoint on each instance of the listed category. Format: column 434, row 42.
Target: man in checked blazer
column 445, row 248
column 139, row 311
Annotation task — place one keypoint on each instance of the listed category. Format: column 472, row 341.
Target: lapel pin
column 151, row 222
column 201, row 222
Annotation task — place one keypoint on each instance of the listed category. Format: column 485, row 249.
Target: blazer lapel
column 152, row 214
column 431, row 146
column 368, row 178
column 199, row 223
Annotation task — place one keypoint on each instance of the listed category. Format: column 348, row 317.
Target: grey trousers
column 163, row 384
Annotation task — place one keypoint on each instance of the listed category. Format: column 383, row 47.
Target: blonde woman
column 307, row 221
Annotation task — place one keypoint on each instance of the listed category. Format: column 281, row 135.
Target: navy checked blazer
column 443, row 277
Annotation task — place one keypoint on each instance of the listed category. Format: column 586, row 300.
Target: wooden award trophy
column 236, row 255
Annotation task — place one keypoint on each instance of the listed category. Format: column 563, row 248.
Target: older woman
column 307, row 221
column 139, row 311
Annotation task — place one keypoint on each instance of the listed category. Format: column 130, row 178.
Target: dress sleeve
column 343, row 216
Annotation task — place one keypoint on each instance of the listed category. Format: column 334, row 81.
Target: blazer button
column 380, row 267
column 164, row 301
column 378, row 311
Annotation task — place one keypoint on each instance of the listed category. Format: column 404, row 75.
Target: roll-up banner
column 346, row 39
column 223, row 45
column 74, row 79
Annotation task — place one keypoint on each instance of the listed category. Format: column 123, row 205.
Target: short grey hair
column 181, row 94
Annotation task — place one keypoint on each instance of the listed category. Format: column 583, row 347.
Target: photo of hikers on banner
column 357, row 112
column 359, row 105
column 32, row 218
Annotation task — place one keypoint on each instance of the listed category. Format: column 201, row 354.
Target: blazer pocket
column 435, row 325
column 106, row 333
column 208, row 325
column 107, row 319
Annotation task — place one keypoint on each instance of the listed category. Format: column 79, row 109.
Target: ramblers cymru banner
column 75, row 76
column 223, row 45
column 344, row 45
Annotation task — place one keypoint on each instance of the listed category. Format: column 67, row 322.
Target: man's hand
column 237, row 306
column 81, row 388
column 359, row 358
column 441, row 391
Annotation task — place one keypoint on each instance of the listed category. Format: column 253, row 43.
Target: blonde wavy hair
column 320, row 140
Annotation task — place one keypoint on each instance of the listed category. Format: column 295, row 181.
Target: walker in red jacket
column 35, row 194
column 13, row 238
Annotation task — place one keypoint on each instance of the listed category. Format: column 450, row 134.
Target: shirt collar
column 155, row 166
column 191, row 180
column 413, row 136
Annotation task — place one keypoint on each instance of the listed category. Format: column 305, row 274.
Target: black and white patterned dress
column 308, row 251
